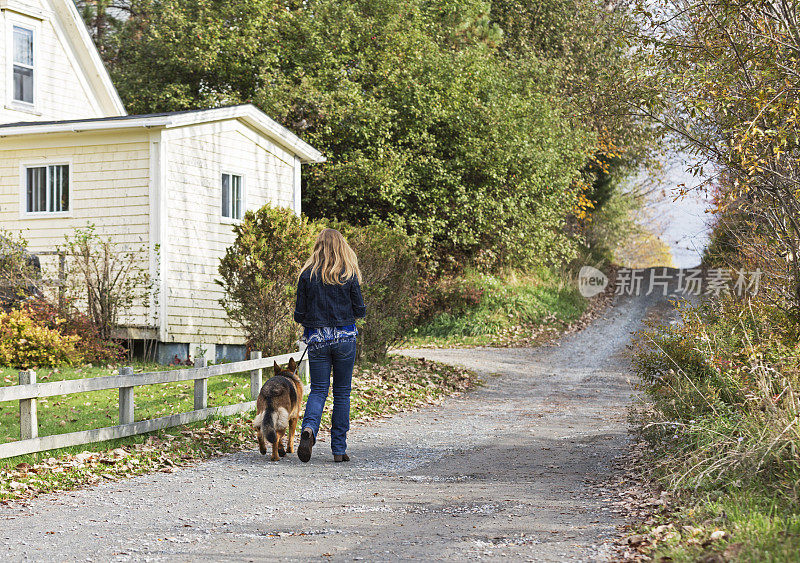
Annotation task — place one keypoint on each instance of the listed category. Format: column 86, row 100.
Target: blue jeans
column 339, row 356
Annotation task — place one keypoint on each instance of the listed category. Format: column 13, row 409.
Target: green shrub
column 430, row 119
column 259, row 275
column 390, row 273
column 26, row 344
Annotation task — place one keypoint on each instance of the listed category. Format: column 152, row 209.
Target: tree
column 476, row 127
column 425, row 125
column 103, row 19
column 726, row 83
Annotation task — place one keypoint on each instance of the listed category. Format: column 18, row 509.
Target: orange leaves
column 583, row 205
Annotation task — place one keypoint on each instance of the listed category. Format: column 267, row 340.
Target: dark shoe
column 307, row 440
column 340, row 458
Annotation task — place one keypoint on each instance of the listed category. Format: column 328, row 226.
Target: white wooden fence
column 28, row 391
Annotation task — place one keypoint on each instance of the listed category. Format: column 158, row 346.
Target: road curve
column 508, row 470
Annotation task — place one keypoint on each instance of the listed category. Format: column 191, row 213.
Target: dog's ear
column 292, row 365
column 276, row 367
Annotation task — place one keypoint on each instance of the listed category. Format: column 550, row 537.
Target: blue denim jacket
column 324, row 305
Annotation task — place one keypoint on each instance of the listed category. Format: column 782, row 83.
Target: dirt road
column 510, row 469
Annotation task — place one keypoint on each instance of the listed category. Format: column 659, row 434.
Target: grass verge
column 721, row 526
column 510, row 309
column 379, row 390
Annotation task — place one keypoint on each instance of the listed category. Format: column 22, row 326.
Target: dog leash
column 301, row 359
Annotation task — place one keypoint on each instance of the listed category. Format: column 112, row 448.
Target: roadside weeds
column 671, row 526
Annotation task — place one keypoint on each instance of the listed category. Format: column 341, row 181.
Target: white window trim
column 34, row 25
column 231, row 220
column 23, row 190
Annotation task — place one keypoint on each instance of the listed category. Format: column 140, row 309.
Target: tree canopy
column 474, row 126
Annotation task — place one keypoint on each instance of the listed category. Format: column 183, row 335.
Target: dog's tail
column 265, row 419
column 263, row 422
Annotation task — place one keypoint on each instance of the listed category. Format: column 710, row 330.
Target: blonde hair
column 333, row 259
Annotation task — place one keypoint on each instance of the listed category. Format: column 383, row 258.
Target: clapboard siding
column 198, row 235
column 62, row 89
column 110, row 189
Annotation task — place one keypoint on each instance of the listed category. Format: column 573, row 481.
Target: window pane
column 47, row 188
column 41, row 189
column 226, row 195
column 23, row 84
column 52, row 189
column 236, row 198
column 58, row 187
column 29, row 189
column 23, row 65
column 64, row 200
column 36, row 180
column 23, row 46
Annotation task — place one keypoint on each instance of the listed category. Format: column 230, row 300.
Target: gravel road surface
column 513, row 469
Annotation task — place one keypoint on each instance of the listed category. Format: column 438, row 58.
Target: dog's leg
column 275, row 456
column 290, row 441
column 262, row 444
column 281, row 451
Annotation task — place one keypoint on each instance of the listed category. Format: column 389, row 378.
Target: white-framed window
column 46, row 189
column 232, row 195
column 22, row 61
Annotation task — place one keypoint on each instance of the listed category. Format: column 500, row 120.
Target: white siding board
column 110, row 176
column 62, row 91
column 198, row 236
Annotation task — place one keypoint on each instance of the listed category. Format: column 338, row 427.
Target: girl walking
column 328, row 303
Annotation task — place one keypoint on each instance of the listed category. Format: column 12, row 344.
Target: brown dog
column 278, row 408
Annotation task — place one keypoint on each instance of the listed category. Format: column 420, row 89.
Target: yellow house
column 175, row 182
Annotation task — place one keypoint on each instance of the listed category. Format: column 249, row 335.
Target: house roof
column 247, row 113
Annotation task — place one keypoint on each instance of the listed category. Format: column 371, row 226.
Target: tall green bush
column 259, row 275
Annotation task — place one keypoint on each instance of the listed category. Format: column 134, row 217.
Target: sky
column 681, row 223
